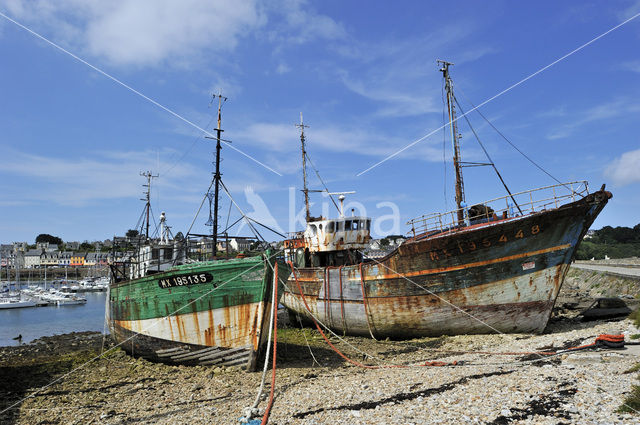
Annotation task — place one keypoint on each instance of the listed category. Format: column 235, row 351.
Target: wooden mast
column 455, row 136
column 304, row 167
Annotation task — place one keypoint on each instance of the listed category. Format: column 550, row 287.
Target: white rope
column 304, row 334
column 274, row 303
column 106, row 318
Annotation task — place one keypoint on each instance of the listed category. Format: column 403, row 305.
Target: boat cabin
column 337, row 234
column 155, row 257
column 330, row 242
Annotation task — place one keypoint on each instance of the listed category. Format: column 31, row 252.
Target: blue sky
column 73, row 142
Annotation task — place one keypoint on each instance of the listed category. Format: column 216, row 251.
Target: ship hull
column 501, row 276
column 214, row 312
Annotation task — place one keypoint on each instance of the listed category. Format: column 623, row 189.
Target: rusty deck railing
column 526, row 202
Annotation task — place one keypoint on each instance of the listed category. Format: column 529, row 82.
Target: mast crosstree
column 147, row 197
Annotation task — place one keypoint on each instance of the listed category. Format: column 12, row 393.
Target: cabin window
column 347, row 225
column 368, row 225
column 313, row 229
column 340, row 226
column 320, row 227
column 330, row 227
column 355, row 225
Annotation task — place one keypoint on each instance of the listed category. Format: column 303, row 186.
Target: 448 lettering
column 461, row 248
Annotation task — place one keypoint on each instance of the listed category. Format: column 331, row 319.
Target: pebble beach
column 314, row 385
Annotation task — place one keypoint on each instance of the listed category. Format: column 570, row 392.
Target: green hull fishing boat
column 166, row 306
column 212, row 312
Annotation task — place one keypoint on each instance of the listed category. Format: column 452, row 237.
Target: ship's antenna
column 455, row 136
column 341, row 198
column 217, row 176
column 304, row 166
column 149, row 176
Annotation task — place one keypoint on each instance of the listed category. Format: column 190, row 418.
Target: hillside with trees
column 45, row 237
column 614, row 242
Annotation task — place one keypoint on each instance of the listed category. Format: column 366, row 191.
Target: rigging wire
column 487, row 154
column 477, row 109
column 226, row 225
column 186, row 152
column 248, row 220
column 321, row 181
column 199, row 208
column 140, row 219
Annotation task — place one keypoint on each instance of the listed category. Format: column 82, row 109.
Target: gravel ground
column 585, row 387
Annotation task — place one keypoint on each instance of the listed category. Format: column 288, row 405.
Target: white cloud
column 607, row 110
column 625, row 169
column 142, row 32
column 282, row 69
column 80, row 181
column 400, row 74
column 633, row 66
column 284, row 138
column 631, row 10
column 302, row 24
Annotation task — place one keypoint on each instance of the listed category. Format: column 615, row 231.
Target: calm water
column 34, row 322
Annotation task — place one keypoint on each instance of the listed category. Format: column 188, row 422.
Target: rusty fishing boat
column 166, row 306
column 496, row 266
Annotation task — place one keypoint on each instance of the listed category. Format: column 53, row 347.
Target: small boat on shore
column 496, row 266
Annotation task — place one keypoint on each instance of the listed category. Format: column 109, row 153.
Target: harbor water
column 35, row 322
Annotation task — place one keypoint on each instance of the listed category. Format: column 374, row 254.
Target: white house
column 33, row 258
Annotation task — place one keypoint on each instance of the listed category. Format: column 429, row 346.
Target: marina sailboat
column 496, row 266
column 167, row 307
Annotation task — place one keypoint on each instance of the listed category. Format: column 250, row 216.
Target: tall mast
column 147, row 198
column 304, row 167
column 217, row 176
column 455, row 136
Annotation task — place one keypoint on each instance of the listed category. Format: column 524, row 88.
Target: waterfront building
column 73, row 245
column 64, row 258
column 33, row 258
column 49, row 259
column 77, row 259
column 20, row 246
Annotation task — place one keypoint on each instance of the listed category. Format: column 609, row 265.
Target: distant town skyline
column 74, row 141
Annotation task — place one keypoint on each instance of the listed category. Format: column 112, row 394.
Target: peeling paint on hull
column 503, row 276
column 223, row 321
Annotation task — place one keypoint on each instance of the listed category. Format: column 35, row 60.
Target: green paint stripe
column 144, row 299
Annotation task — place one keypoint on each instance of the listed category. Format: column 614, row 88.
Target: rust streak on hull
column 501, row 276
